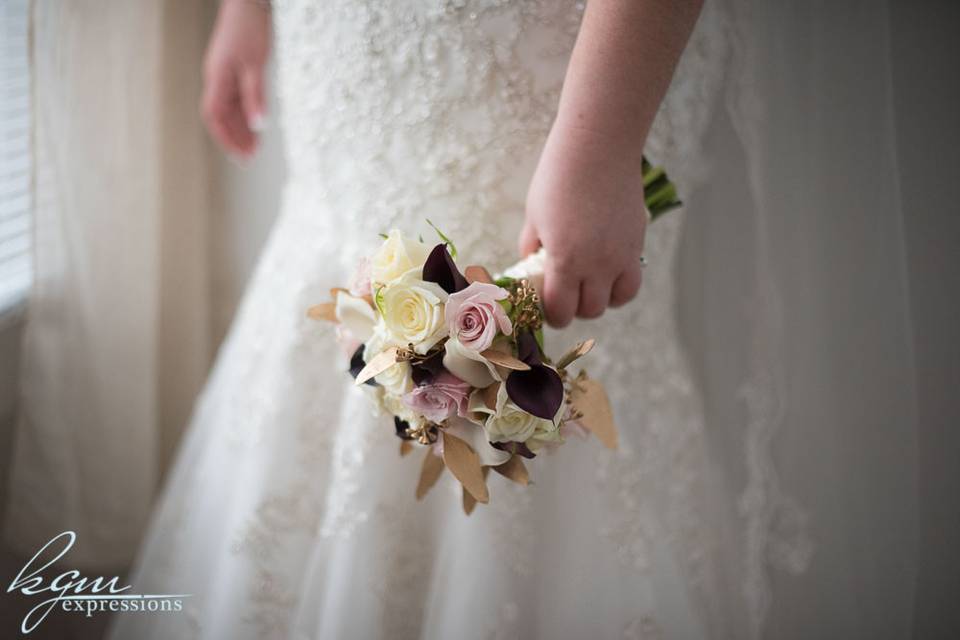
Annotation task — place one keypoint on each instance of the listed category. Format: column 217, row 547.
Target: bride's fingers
column 214, row 112
column 529, row 241
column 220, row 106
column 594, row 296
column 626, row 286
column 560, row 297
column 252, row 97
column 244, row 140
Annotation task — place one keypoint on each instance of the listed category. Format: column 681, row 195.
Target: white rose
column 545, row 433
column 397, row 255
column 530, row 268
column 413, row 311
column 397, row 379
column 510, row 423
column 395, row 406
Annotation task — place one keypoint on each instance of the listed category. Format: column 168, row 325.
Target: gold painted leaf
column 380, row 363
column 405, row 447
column 578, row 351
column 505, row 360
column 324, row 311
column 335, row 290
column 429, row 473
column 514, row 469
column 465, row 465
column 589, row 398
column 469, row 502
column 476, row 273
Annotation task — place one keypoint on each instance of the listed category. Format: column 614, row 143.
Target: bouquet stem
column 660, row 195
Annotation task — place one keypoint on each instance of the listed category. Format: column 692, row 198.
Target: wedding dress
column 289, row 513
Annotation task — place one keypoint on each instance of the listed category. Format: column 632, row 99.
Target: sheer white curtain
column 117, row 338
column 799, row 310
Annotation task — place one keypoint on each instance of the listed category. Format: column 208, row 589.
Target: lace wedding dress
column 289, row 513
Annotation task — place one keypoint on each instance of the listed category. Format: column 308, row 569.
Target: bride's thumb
column 529, row 240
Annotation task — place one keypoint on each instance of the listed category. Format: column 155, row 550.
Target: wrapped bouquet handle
column 457, row 358
column 660, row 196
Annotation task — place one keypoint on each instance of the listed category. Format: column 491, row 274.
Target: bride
column 289, row 513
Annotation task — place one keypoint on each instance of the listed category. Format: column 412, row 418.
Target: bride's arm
column 622, row 64
column 585, row 203
column 233, row 103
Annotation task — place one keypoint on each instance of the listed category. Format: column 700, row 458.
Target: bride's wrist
column 265, row 5
column 584, row 141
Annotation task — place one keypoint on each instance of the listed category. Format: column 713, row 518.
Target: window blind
column 15, row 161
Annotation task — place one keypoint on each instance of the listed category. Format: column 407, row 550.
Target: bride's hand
column 585, row 206
column 233, row 104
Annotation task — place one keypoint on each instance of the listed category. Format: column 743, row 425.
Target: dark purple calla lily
column 401, row 426
column 538, row 391
column 425, row 371
column 357, row 364
column 518, row 448
column 441, row 269
column 528, row 350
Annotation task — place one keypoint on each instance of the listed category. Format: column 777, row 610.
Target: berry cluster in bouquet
column 457, row 358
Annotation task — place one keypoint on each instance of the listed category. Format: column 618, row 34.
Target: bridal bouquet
column 457, row 358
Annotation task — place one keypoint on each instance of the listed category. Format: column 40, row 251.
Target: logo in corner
column 73, row 592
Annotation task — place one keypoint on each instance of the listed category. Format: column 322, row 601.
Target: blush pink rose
column 474, row 316
column 359, row 285
column 445, row 396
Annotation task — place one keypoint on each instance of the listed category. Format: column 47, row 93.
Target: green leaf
column 653, row 175
column 448, row 241
column 660, row 194
column 378, row 299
